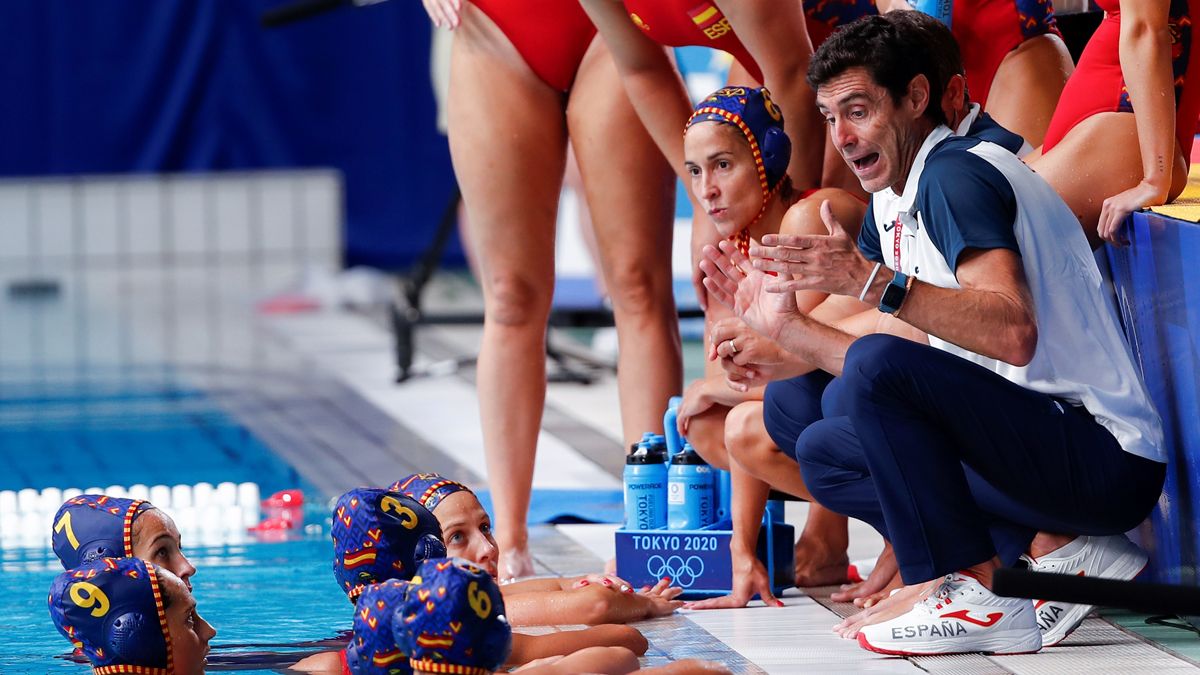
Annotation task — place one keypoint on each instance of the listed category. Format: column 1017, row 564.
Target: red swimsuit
column 699, row 23
column 551, row 35
column 1097, row 84
column 987, row 30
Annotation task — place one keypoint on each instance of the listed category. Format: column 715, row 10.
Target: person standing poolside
column 956, row 452
column 526, row 76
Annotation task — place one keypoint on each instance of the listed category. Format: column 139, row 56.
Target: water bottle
column 724, row 495
column 658, row 444
column 689, row 491
column 938, row 9
column 671, row 426
column 645, row 489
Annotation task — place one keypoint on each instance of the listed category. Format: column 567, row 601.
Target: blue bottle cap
column 641, row 456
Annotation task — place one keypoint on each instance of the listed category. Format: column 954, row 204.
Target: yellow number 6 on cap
column 480, row 601
column 408, row 517
column 88, row 595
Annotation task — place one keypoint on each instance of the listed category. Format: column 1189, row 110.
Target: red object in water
column 283, row 510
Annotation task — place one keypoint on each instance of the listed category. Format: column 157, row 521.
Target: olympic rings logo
column 683, row 573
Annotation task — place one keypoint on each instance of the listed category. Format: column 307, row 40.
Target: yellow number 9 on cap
column 480, row 601
column 772, row 109
column 86, row 595
column 408, row 517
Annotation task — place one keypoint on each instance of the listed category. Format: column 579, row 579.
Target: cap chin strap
column 741, row 238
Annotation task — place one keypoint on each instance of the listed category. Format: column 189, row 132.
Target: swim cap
column 380, row 535
column 452, row 620
column 112, row 609
column 428, row 488
column 759, row 120
column 90, row 527
column 372, row 649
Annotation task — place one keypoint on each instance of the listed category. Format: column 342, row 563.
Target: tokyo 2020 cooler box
column 698, row 561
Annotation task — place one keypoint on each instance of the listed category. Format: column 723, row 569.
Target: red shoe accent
column 852, row 574
column 862, row 642
column 964, row 615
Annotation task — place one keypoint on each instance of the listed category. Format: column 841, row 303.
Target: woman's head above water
column 91, row 527
column 466, row 526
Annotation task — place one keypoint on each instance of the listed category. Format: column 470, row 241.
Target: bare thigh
column 629, row 185
column 508, row 142
column 1098, row 158
column 1027, row 86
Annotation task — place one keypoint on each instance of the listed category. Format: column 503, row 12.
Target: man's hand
column 829, row 263
column 444, row 13
column 748, row 358
column 732, row 281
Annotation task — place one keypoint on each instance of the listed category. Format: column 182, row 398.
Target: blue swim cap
column 428, row 488
column 113, row 610
column 372, row 649
column 90, row 527
column 759, row 120
column 452, row 620
column 380, row 535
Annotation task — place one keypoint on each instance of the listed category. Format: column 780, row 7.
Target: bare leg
column 508, row 156
column 707, row 434
column 630, row 193
column 1027, row 86
column 821, row 550
column 1106, row 143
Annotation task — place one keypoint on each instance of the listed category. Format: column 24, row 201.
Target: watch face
column 893, row 296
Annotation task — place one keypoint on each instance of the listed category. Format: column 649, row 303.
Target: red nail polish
column 666, row 579
column 608, row 582
column 585, row 582
column 779, row 603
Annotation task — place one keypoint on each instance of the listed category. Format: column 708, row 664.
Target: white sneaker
column 959, row 617
column 1112, row 557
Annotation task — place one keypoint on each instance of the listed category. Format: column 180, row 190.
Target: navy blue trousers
column 953, row 464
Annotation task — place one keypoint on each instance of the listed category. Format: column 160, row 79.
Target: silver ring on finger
column 732, row 347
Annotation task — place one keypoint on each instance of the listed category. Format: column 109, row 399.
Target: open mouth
column 717, row 212
column 865, row 162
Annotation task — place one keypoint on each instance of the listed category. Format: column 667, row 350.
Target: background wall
column 120, row 86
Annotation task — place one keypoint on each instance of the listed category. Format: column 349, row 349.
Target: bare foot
column 896, row 604
column 816, row 565
column 874, row 598
column 885, row 570
column 515, row 563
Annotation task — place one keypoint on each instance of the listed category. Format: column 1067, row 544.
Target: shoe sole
column 999, row 650
column 1073, row 618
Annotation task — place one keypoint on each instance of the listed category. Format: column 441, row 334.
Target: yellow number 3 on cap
column 87, row 595
column 480, row 601
column 408, row 517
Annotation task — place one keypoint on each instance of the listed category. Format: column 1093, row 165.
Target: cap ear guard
column 776, row 153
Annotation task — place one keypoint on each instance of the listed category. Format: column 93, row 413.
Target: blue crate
column 698, row 561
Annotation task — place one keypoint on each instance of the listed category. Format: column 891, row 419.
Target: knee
column 639, row 289
column 706, row 435
column 516, row 300
column 745, row 435
column 873, row 358
column 817, row 445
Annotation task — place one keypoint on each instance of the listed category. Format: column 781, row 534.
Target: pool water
column 129, row 428
column 100, row 432
column 256, row 631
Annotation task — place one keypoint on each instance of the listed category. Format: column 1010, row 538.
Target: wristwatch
column 894, row 294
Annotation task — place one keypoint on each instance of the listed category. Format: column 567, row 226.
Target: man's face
column 877, row 137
